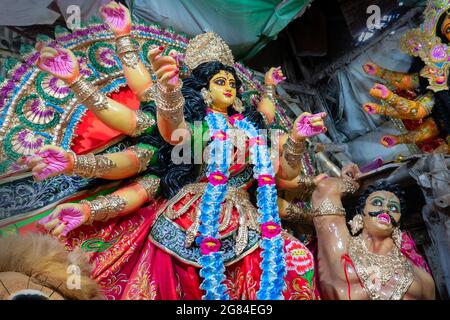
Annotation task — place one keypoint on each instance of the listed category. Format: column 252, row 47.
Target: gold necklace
column 376, row 271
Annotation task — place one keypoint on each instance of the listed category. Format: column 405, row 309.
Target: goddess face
column 222, row 87
column 445, row 27
column 18, row 286
column 381, row 213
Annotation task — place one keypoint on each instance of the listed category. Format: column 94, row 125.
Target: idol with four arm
column 206, row 230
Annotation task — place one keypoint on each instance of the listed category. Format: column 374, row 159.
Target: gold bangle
column 127, row 51
column 89, row 165
column 150, row 185
column 149, row 94
column 293, row 152
column 327, row 208
column 170, row 103
column 349, row 186
column 105, row 207
column 143, row 122
column 269, row 93
column 307, row 185
column 88, row 94
column 143, row 155
column 84, row 165
column 295, row 214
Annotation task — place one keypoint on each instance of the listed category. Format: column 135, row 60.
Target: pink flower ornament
column 209, row 245
column 217, row 178
column 270, row 229
column 265, row 179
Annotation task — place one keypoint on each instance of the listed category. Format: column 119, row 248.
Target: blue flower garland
column 273, row 265
column 213, row 267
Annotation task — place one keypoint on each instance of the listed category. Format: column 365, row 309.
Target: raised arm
column 267, row 105
column 139, row 80
column 402, row 81
column 52, row 161
column 399, row 107
column 69, row 216
column 63, row 64
column 329, row 221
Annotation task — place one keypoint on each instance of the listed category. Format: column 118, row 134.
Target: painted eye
column 447, row 30
column 233, row 85
column 220, row 82
column 394, row 209
column 377, row 202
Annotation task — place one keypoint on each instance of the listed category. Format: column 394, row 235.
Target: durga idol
column 211, row 231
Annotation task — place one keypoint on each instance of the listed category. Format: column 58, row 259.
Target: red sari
column 132, row 265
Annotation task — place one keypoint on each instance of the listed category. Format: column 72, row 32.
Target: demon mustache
column 376, row 214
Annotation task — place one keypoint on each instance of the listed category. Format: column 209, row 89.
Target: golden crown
column 423, row 42
column 207, row 47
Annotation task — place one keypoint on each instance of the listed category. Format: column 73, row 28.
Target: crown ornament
column 423, row 42
column 207, row 47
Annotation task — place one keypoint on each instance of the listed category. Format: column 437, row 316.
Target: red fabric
column 91, row 133
column 134, row 268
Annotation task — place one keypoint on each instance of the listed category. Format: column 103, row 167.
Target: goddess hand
column 274, row 76
column 372, row 69
column 60, row 62
column 373, row 108
column 65, row 218
column 49, row 161
column 117, row 17
column 165, row 68
column 381, row 92
column 308, row 125
column 390, row 141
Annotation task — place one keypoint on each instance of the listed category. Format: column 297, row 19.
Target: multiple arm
column 51, row 161
column 69, row 216
column 399, row 107
column 395, row 106
column 400, row 80
column 63, row 64
column 426, row 131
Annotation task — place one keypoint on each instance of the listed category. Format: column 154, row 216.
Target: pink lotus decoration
column 220, row 135
column 236, row 117
column 217, row 178
column 270, row 229
column 265, row 179
column 209, row 245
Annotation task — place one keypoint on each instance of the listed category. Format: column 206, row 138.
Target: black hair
column 382, row 186
column 174, row 177
column 439, row 27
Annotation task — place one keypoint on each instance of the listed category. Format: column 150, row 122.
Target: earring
column 397, row 237
column 356, row 224
column 206, row 96
column 237, row 105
